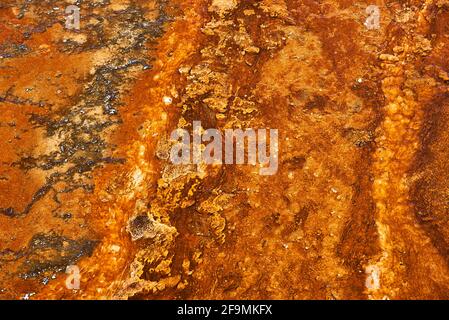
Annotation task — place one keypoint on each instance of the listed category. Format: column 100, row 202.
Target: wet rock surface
column 357, row 209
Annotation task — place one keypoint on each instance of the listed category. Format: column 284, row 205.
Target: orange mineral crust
column 358, row 207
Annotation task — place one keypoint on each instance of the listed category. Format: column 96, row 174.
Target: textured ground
column 359, row 208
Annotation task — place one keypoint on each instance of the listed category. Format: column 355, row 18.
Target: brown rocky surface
column 358, row 208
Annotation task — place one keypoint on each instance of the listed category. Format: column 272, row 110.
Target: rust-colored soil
column 359, row 208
